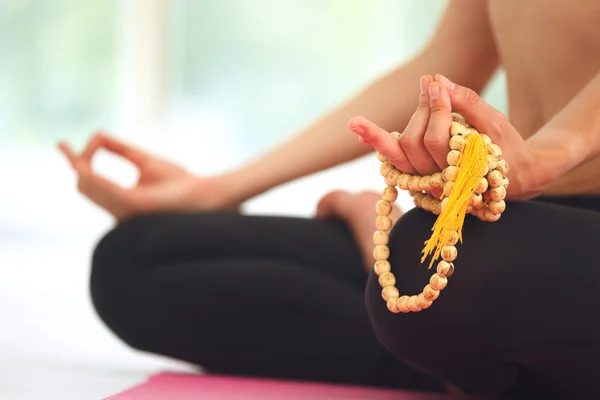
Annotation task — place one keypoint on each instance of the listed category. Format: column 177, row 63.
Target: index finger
column 131, row 153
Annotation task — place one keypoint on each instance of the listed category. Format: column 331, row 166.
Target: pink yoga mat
column 195, row 387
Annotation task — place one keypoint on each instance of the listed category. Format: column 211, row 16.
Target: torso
column 549, row 49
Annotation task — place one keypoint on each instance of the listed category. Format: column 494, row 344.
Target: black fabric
column 520, row 313
column 247, row 295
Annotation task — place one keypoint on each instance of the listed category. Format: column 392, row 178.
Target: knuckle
column 471, row 97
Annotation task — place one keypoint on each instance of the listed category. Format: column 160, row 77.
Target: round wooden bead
column 482, row 187
column 380, row 157
column 385, row 168
column 389, row 292
column 497, row 207
column 449, row 253
column 492, row 163
column 382, row 266
column 392, row 305
column 383, row 223
column 494, row 178
column 445, row 268
column 457, row 129
column 381, row 237
column 498, row 193
column 401, row 304
column 471, row 131
column 412, row 193
column 390, row 194
column 424, row 183
column 453, row 157
column 387, row 279
column 443, row 203
column 381, row 252
column 456, row 117
column 402, row 181
column 448, row 186
column 489, row 216
column 450, row 173
column 426, row 203
column 457, row 142
column 418, row 199
column 430, row 293
column 452, row 240
column 502, row 166
column 392, row 177
column 436, row 181
column 383, row 207
column 505, row 182
column 438, row 282
column 476, row 200
column 396, row 135
column 435, row 206
column 494, row 150
column 422, row 302
column 413, row 182
column 411, row 303
column 486, row 139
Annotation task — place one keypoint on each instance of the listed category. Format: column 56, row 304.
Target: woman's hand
column 162, row 186
column 423, row 146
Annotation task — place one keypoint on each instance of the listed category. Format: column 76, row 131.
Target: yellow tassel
column 472, row 165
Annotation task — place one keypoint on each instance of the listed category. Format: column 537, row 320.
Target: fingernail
column 358, row 129
column 447, row 82
column 424, row 84
column 434, row 91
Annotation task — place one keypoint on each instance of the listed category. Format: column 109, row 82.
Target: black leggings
column 285, row 298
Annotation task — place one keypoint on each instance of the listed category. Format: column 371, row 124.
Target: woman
column 184, row 275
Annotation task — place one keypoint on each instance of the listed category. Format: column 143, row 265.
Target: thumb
column 331, row 204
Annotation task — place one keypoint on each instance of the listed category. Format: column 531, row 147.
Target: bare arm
column 463, row 49
column 572, row 137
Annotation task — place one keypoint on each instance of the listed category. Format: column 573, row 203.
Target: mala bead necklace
column 474, row 183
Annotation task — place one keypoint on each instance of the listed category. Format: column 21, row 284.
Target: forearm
column 572, row 137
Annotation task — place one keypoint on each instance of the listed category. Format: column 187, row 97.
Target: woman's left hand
column 423, row 146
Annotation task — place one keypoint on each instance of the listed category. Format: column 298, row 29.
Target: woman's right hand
column 162, row 186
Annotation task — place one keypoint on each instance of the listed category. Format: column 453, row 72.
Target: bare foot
column 358, row 210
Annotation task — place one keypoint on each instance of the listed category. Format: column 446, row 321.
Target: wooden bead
column 498, row 193
column 494, row 178
column 457, row 129
column 502, row 166
column 457, row 142
column 449, row 253
column 450, row 173
column 497, row 207
column 422, row 302
column 392, row 305
column 505, row 182
column 448, row 186
column 489, row 216
column 413, row 193
column 383, row 207
column 380, row 157
column 385, row 168
column 435, row 206
column 381, row 237
column 492, row 163
column 413, row 183
column 486, row 139
column 456, row 117
column 436, row 181
column 383, row 223
column 402, row 181
column 483, row 186
column 396, row 135
column 392, row 177
column 387, row 279
column 401, row 304
column 381, row 252
column 469, row 208
column 382, row 266
column 443, row 203
column 390, row 194
column 494, row 150
column 411, row 303
column 452, row 240
column 426, row 203
column 424, row 183
column 438, row 282
column 476, row 200
column 389, row 292
column 445, row 268
column 430, row 293
column 486, row 197
column 471, row 131
column 418, row 199
column 453, row 157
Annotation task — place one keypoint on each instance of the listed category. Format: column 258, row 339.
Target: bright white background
column 209, row 84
